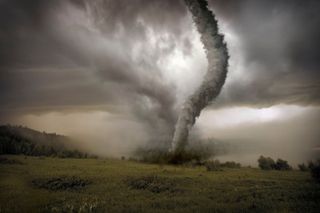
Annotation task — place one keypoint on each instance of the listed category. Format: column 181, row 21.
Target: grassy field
column 124, row 186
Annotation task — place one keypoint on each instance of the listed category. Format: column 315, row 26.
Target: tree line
column 13, row 143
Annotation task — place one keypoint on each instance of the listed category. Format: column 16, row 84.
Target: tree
column 266, row 163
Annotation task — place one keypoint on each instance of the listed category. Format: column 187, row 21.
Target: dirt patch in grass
column 9, row 161
column 153, row 184
column 61, row 183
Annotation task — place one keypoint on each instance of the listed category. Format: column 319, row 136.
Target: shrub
column 315, row 170
column 282, row 165
column 217, row 166
column 213, row 165
column 311, row 165
column 266, row 163
column 231, row 164
column 303, row 167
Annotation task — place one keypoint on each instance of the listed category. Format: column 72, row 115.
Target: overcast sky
column 109, row 66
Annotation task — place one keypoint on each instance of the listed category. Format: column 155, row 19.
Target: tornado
column 217, row 56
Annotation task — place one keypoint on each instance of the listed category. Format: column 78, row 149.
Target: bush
column 315, row 170
column 213, row 165
column 195, row 163
column 303, row 167
column 282, row 165
column 266, row 163
column 311, row 165
column 217, row 166
column 231, row 164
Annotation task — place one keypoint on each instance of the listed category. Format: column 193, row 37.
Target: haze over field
column 114, row 74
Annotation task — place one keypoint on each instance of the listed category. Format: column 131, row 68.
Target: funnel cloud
column 217, row 56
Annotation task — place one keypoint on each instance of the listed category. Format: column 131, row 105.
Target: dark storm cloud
column 279, row 43
column 57, row 55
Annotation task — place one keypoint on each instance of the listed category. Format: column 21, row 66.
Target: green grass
column 127, row 186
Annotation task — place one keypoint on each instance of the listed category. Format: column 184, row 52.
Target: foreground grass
column 125, row 186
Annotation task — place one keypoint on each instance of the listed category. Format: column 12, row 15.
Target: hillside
column 23, row 140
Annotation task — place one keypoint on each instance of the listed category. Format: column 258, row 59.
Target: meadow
column 44, row 184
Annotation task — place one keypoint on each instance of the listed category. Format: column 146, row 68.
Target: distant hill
column 23, row 140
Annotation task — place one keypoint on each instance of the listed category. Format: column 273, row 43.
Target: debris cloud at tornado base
column 217, row 56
